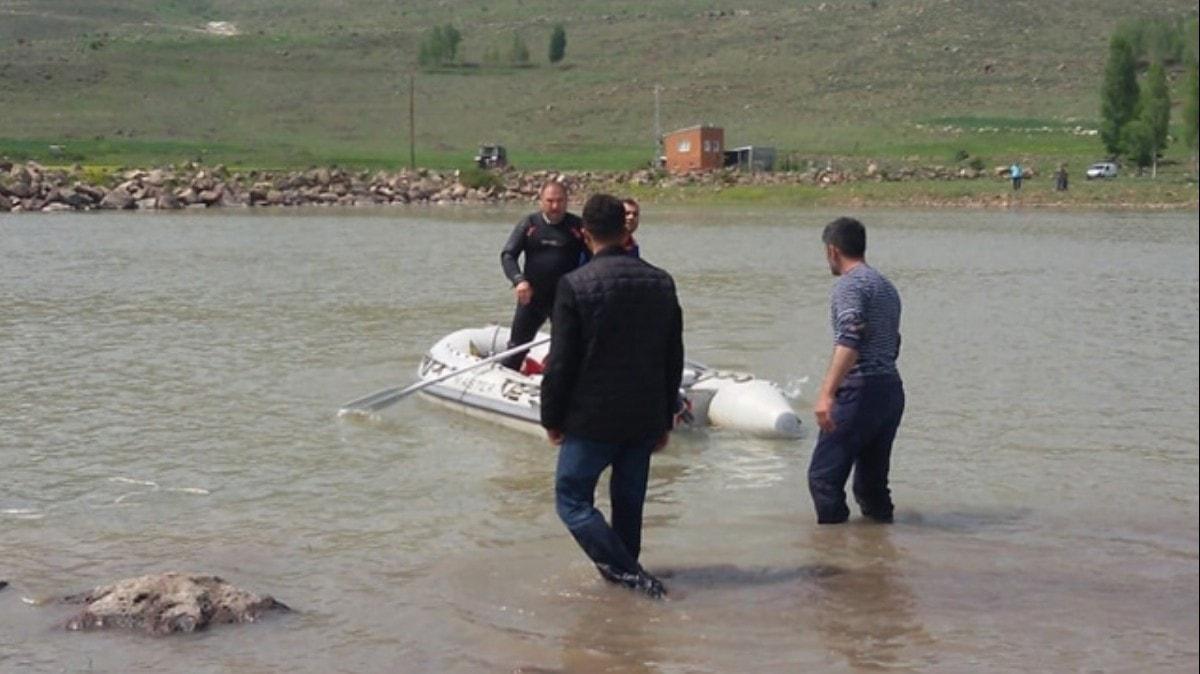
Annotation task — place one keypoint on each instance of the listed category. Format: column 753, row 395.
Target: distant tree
column 1156, row 109
column 518, row 53
column 451, row 39
column 1138, row 140
column 558, row 44
column 1160, row 39
column 1119, row 96
column 439, row 46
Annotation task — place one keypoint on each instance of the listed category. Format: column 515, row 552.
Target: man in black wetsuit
column 552, row 242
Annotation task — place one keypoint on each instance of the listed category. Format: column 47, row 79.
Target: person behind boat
column 551, row 241
column 633, row 215
column 861, row 399
column 609, row 391
column 1015, row 173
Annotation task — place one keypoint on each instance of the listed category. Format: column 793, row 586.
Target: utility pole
column 412, row 124
column 657, row 129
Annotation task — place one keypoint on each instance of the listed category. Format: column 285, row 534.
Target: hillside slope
column 307, row 81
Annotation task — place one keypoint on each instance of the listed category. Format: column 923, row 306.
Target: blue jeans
column 614, row 549
column 866, row 414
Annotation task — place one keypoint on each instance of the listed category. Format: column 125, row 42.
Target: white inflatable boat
column 731, row 400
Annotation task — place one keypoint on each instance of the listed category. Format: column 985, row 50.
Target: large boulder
column 118, row 199
column 168, row 603
column 22, row 189
column 168, row 201
column 93, row 194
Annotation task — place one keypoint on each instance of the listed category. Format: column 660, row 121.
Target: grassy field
column 307, row 82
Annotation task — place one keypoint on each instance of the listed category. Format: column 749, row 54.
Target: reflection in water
column 868, row 613
column 612, row 633
column 965, row 521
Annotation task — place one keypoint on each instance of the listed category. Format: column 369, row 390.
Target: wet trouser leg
column 866, row 415
column 580, row 463
column 874, row 460
column 627, row 492
column 527, row 320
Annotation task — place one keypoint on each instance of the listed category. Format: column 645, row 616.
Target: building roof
column 694, row 126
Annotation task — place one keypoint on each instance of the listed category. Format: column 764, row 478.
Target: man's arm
column 562, row 365
column 843, row 359
column 512, row 250
column 674, row 363
column 849, row 330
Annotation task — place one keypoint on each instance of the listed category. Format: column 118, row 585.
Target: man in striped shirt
column 861, row 400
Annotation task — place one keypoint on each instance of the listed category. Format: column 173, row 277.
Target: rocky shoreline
column 30, row 187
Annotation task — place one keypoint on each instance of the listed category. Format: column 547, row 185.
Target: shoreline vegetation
column 32, row 187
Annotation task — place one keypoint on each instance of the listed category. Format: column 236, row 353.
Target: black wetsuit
column 550, row 251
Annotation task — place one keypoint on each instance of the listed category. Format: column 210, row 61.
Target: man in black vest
column 610, row 391
column 552, row 242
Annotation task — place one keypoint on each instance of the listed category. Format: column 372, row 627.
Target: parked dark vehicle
column 491, row 156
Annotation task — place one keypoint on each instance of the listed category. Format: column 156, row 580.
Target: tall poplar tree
column 1156, row 110
column 1119, row 96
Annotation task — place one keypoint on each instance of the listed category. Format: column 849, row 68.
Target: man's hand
column 840, row 363
column 555, row 436
column 662, row 442
column 823, row 409
column 524, row 292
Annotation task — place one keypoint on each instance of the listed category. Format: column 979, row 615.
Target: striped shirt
column 865, row 312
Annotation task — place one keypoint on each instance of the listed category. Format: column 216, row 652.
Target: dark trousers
column 614, row 549
column 527, row 320
column 866, row 414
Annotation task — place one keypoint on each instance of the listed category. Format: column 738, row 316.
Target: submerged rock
column 167, row 603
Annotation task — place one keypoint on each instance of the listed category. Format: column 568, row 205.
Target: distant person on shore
column 861, row 399
column 610, row 390
column 551, row 241
column 1014, row 173
column 633, row 216
column 1060, row 178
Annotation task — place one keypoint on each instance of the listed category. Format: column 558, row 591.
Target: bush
column 479, row 179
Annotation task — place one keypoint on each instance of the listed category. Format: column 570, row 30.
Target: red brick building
column 696, row 148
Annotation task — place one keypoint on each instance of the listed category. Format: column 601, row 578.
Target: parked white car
column 1102, row 169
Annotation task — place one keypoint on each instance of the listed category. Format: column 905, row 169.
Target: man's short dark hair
column 847, row 235
column 551, row 183
column 604, row 218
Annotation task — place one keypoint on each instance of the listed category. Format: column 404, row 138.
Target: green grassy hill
column 307, row 81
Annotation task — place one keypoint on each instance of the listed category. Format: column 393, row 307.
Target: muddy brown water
column 170, row 382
